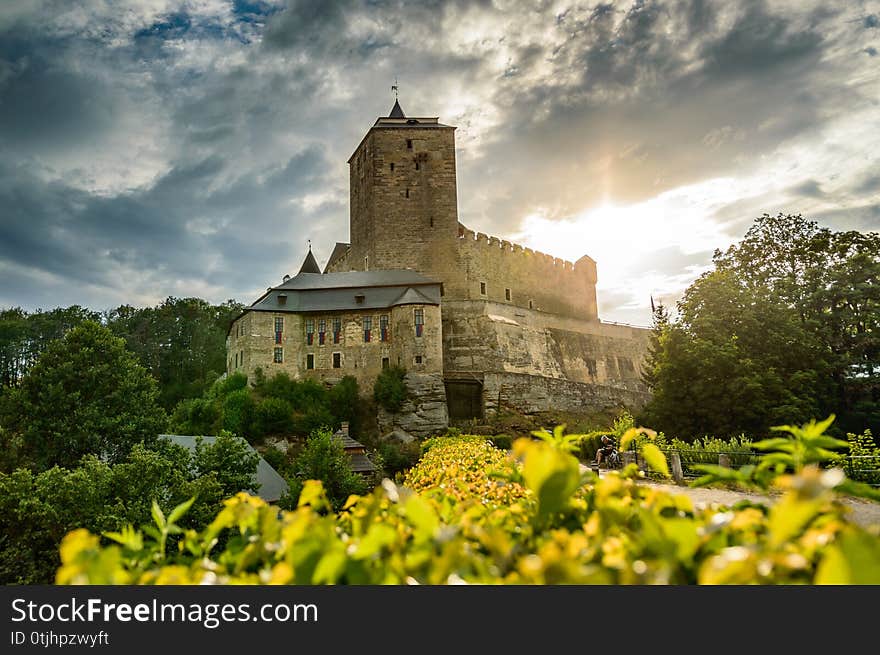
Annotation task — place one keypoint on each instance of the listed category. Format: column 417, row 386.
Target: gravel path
column 864, row 512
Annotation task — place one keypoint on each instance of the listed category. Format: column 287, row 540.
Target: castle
column 480, row 323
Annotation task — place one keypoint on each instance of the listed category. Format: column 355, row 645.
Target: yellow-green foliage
column 460, row 468
column 565, row 527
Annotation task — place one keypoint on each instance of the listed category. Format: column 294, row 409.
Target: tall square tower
column 404, row 205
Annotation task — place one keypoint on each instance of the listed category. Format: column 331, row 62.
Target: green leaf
column 777, row 443
column 329, row 568
column 180, row 510
column 422, row 515
column 853, row 559
column 790, row 516
column 627, row 438
column 158, row 516
column 655, row 459
column 378, row 536
column 552, row 475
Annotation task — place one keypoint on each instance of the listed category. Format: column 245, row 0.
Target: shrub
column 323, row 458
column 272, row 416
column 226, row 385
column 390, row 389
column 564, row 528
column 343, row 401
column 502, row 441
column 231, row 460
column 238, row 412
column 397, row 457
column 198, row 416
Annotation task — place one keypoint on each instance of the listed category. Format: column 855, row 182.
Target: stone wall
column 424, row 412
column 531, row 394
column 483, row 337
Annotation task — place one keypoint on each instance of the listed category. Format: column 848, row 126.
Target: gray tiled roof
column 272, row 485
column 351, row 279
column 360, row 463
column 314, row 292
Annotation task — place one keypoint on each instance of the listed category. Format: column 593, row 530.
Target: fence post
column 724, row 460
column 675, row 464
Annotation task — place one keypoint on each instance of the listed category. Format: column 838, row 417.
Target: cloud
column 193, row 147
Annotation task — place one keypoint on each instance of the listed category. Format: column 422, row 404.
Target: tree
column 389, row 389
column 323, row 458
column 182, row 342
column 783, row 329
column 85, row 394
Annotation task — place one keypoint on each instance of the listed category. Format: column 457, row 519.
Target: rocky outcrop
column 423, row 413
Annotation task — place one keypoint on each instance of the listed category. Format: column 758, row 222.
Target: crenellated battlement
column 534, row 257
column 496, row 269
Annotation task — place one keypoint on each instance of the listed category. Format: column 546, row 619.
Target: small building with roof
column 356, row 452
column 329, row 325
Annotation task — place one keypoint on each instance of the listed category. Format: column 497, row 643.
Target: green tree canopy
column 784, row 328
column 86, row 394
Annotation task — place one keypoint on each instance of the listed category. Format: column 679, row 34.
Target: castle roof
column 352, row 290
column 309, row 264
column 396, row 111
column 339, row 251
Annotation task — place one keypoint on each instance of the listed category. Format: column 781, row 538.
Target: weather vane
column 394, row 87
column 310, row 244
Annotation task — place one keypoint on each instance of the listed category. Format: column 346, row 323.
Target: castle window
column 279, row 356
column 337, row 360
column 236, row 360
column 407, row 193
column 310, row 331
column 322, row 329
column 432, row 221
column 383, row 327
column 337, row 329
column 409, row 144
column 417, row 165
column 392, row 166
column 366, row 263
column 419, row 316
column 482, row 288
column 507, row 294
column 418, row 359
column 310, row 361
column 441, row 288
column 386, row 362
column 531, row 304
column 279, row 328
column 359, row 298
column 282, row 298
column 368, row 328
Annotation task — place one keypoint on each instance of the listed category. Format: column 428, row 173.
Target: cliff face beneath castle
column 532, row 361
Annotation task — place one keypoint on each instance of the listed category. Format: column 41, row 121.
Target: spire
column 396, row 111
column 310, row 265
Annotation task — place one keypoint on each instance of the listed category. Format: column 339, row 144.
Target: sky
column 155, row 148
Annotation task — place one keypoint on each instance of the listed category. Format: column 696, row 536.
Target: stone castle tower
column 520, row 327
column 404, row 206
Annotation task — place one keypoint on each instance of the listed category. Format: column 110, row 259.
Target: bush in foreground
column 565, row 527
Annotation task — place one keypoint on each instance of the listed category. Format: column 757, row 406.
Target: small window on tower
column 531, row 304
column 432, row 221
column 386, row 362
column 407, row 193
column 310, row 361
column 392, row 167
column 418, row 359
column 482, row 288
column 507, row 294
column 417, row 165
column 409, row 144
column 441, row 288
column 337, row 360
column 279, row 356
